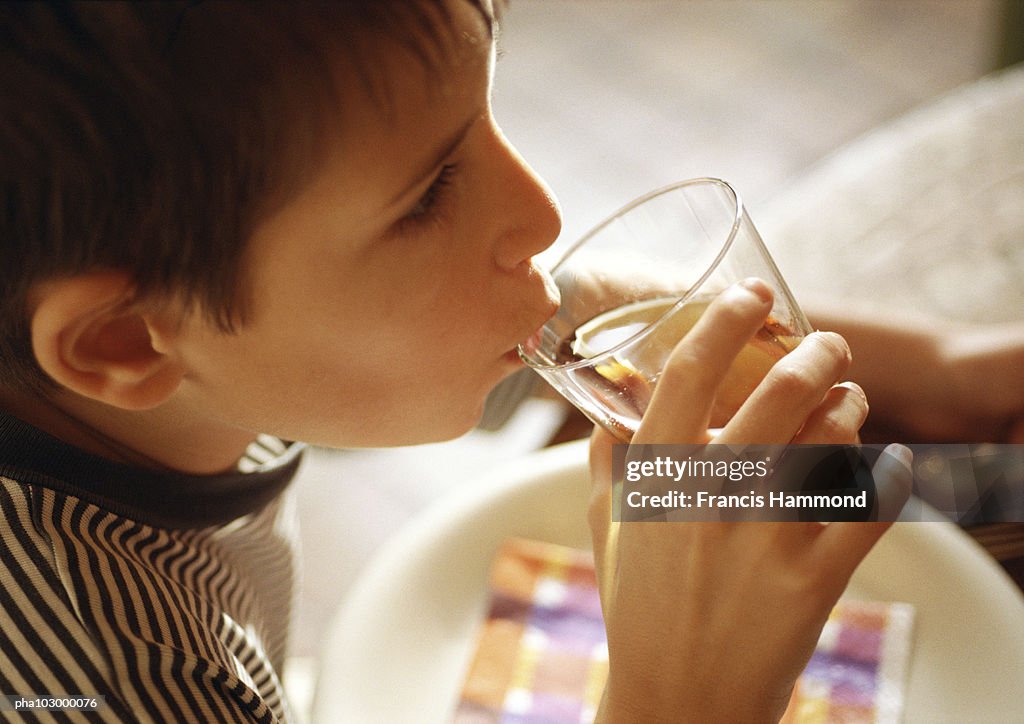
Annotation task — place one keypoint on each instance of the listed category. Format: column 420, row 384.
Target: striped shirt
column 167, row 595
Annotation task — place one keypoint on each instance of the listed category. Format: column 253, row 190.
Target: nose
column 532, row 219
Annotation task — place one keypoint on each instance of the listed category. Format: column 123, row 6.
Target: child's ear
column 91, row 338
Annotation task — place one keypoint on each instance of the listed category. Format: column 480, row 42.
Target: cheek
column 373, row 381
column 408, row 359
column 384, row 351
column 437, row 311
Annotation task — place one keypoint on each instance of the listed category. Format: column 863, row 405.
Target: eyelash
column 427, row 206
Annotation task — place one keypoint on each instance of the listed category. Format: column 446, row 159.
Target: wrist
column 696, row 705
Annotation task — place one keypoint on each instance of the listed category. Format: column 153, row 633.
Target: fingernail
column 901, row 453
column 854, row 387
column 761, row 290
column 837, row 342
column 859, row 392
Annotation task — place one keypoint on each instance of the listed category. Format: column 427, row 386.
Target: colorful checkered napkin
column 542, row 658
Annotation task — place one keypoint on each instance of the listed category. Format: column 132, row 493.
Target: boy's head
column 291, row 217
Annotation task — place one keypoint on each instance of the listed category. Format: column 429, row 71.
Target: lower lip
column 532, row 343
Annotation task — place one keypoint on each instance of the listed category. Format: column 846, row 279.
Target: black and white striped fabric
column 168, row 595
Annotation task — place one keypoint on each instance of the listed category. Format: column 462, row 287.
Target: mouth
column 551, row 291
column 531, row 344
column 552, row 299
column 526, row 348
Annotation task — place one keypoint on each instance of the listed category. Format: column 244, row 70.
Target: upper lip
column 554, row 294
column 551, row 303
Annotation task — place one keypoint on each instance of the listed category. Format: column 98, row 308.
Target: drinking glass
column 637, row 283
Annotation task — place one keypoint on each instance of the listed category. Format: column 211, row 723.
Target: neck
column 157, row 439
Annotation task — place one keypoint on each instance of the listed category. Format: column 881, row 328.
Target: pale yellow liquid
column 631, row 387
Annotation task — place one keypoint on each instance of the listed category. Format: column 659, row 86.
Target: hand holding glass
column 637, row 283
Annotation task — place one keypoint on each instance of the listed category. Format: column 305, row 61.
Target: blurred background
column 610, row 98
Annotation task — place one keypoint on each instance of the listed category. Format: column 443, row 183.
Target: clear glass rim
column 535, row 364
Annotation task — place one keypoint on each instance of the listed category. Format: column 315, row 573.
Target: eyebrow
column 436, row 159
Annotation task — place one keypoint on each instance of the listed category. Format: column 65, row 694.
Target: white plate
column 399, row 647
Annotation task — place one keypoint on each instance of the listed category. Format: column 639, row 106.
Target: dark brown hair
column 151, row 137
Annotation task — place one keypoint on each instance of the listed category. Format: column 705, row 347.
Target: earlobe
column 92, row 338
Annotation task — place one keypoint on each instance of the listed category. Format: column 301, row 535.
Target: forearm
column 899, row 359
column 927, row 379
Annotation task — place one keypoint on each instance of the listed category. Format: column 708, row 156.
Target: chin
column 452, row 427
column 454, row 423
column 439, row 420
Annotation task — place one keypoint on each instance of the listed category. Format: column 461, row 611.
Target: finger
column 844, row 545
column 837, row 420
column 681, row 406
column 798, row 383
column 893, row 473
